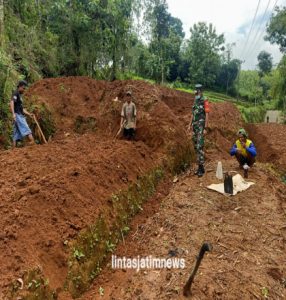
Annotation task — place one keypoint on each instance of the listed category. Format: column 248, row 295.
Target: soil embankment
column 50, row 194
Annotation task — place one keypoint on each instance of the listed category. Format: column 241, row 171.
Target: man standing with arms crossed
column 199, row 122
column 21, row 128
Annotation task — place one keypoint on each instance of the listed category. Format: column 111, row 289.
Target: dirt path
column 248, row 234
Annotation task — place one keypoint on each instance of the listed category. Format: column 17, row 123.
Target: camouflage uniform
column 198, row 123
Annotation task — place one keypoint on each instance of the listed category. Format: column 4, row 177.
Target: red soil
column 50, row 193
column 270, row 139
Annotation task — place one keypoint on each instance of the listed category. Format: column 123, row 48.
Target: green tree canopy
column 265, row 62
column 276, row 29
column 203, row 53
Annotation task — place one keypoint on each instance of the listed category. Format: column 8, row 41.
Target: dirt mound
column 224, row 120
column 270, row 140
column 51, row 193
column 80, row 103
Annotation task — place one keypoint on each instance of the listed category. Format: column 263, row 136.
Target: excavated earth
column 271, row 139
column 50, row 193
column 247, row 232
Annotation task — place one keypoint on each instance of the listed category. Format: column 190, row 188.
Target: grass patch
column 94, row 246
column 33, row 286
column 252, row 114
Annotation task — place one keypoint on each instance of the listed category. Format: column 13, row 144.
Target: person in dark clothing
column 199, row 122
column 21, row 129
column 244, row 151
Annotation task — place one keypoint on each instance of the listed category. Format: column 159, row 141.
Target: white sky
column 234, row 19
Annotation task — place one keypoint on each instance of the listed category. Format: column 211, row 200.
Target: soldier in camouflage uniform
column 199, row 122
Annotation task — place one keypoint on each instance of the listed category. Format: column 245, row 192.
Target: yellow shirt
column 240, row 147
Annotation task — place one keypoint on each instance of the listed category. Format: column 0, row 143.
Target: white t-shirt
column 129, row 114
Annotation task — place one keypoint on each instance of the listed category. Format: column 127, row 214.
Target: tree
column 264, row 62
column 228, row 71
column 227, row 76
column 276, row 33
column 203, row 53
column 166, row 36
column 249, row 87
column 93, row 35
column 278, row 89
column 159, row 21
column 276, row 29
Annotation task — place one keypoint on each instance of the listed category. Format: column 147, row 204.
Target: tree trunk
column 227, row 83
column 114, row 65
column 162, row 67
column 1, row 23
column 114, row 56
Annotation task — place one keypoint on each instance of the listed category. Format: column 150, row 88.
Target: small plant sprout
column 101, row 291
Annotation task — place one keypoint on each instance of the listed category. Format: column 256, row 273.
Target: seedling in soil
column 77, row 254
column 265, row 292
column 94, row 273
column 125, row 229
column 62, row 88
column 34, row 283
column 101, row 291
column 110, row 247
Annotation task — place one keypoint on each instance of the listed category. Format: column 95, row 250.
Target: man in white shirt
column 128, row 117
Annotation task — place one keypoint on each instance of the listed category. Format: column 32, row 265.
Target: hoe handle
column 41, row 132
column 187, row 288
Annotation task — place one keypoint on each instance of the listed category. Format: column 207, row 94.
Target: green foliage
column 249, row 87
column 124, row 39
column 203, row 53
column 227, row 75
column 78, row 254
column 276, row 29
column 8, row 78
column 278, row 89
column 32, row 48
column 166, row 38
column 253, row 114
column 276, row 33
column 44, row 117
column 94, row 245
column 264, row 62
column 33, row 287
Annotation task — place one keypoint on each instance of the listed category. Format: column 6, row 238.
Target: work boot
column 245, row 167
column 201, row 171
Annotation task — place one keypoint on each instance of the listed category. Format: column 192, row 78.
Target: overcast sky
column 234, row 18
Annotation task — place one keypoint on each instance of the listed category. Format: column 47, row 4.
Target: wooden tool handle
column 41, row 132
